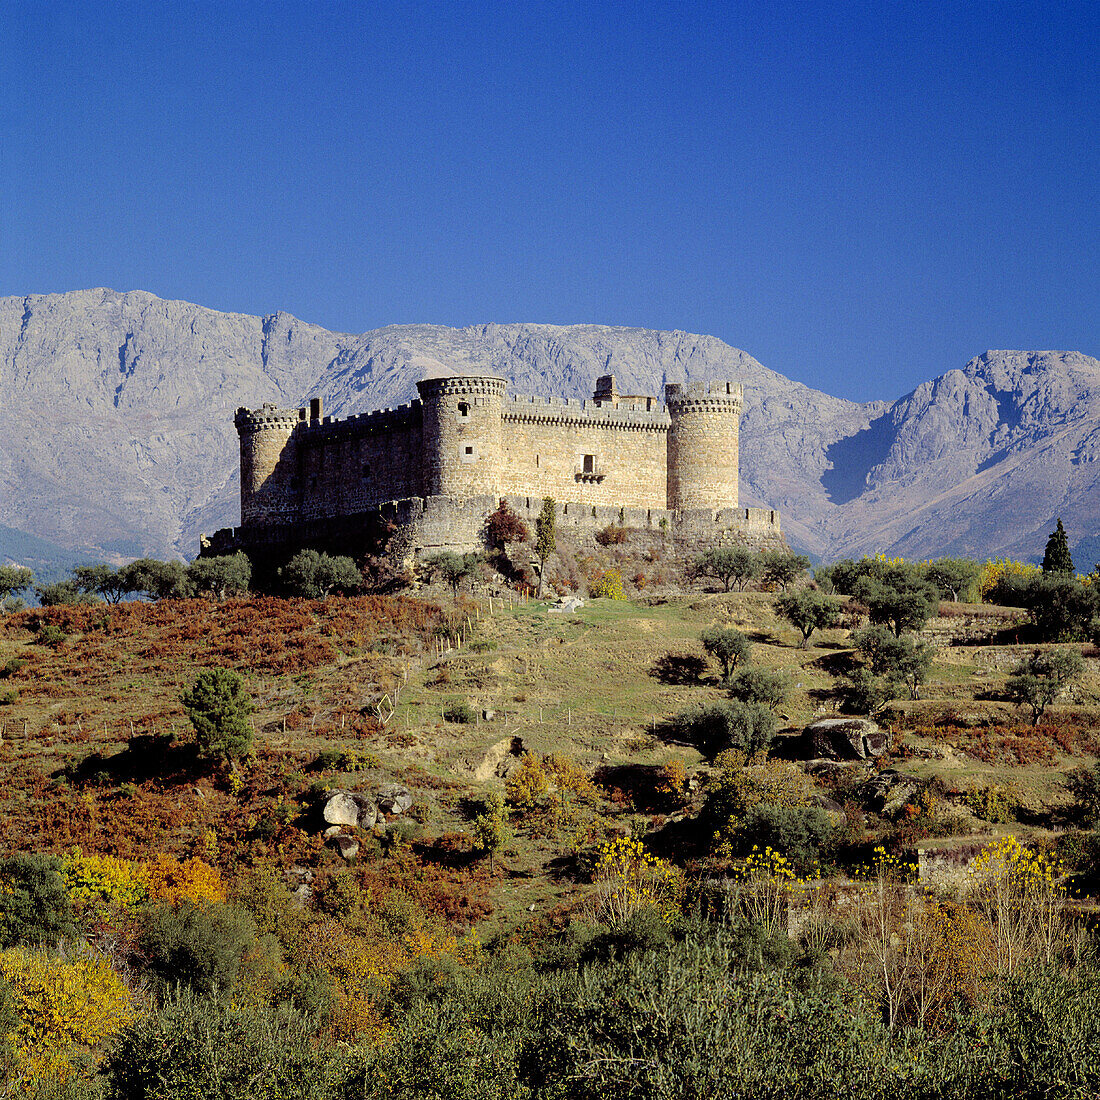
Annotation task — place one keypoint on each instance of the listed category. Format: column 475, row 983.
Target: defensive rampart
column 437, row 466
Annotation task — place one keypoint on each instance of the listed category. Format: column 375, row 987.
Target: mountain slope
column 120, row 422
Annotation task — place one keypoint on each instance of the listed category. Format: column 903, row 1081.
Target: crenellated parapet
column 465, row 440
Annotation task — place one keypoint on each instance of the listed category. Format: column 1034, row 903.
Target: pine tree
column 1057, row 558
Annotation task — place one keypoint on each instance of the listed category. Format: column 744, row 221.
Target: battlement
column 727, row 393
column 465, row 439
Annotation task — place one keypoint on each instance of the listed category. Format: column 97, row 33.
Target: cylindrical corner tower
column 703, row 444
column 269, row 474
column 461, row 437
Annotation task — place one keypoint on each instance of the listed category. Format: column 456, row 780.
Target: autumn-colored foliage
column 173, row 880
column 64, row 1006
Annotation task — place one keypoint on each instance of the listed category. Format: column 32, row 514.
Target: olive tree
column 1039, row 679
column 808, row 610
column 729, row 647
column 730, row 565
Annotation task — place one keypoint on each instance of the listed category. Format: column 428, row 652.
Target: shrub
column 991, row 802
column 172, row 880
column 611, row 535
column 51, row 635
column 1084, row 785
column 526, row 784
column 8, row 697
column 219, row 707
column 759, row 685
column 198, row 1047
column 459, row 711
column 62, row 1004
column 607, row 584
column 800, row 832
column 202, row 945
column 34, row 904
column 747, row 727
column 96, row 881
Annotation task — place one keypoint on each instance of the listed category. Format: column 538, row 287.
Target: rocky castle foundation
column 437, row 467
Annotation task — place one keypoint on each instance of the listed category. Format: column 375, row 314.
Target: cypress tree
column 1057, row 558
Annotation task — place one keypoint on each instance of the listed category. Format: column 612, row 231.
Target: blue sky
column 861, row 195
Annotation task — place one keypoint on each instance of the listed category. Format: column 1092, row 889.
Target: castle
column 435, row 468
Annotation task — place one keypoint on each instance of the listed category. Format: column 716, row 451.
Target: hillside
column 120, row 434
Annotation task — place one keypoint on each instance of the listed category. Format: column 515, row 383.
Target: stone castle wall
column 438, row 466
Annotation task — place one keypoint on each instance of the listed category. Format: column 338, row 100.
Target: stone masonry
column 435, row 468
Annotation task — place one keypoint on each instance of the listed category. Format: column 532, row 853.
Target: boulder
column 567, row 605
column 888, row 792
column 846, row 739
column 393, row 798
column 347, row 846
column 349, row 808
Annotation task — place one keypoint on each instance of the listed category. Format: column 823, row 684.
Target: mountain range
column 119, row 437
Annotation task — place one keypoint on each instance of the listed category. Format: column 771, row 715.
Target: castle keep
column 438, row 466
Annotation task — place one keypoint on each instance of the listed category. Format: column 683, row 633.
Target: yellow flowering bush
column 993, row 572
column 629, row 879
column 64, row 1006
column 607, row 584
column 1020, row 894
column 94, row 881
column 764, row 882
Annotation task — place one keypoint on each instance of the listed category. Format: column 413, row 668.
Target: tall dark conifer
column 1057, row 559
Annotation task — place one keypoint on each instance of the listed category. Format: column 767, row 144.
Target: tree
column 504, row 526
column 953, row 577
column 759, row 685
column 219, row 706
column 900, row 661
column 729, row 647
column 490, row 829
column 312, row 574
column 729, row 564
column 808, row 610
column 159, row 580
column 13, row 579
column 1061, row 607
column 865, row 693
column 544, row 537
column 901, row 598
column 453, row 568
column 1039, row 679
column 1057, row 558
column 228, row 575
column 782, row 569
column 63, row 592
column 103, row 580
